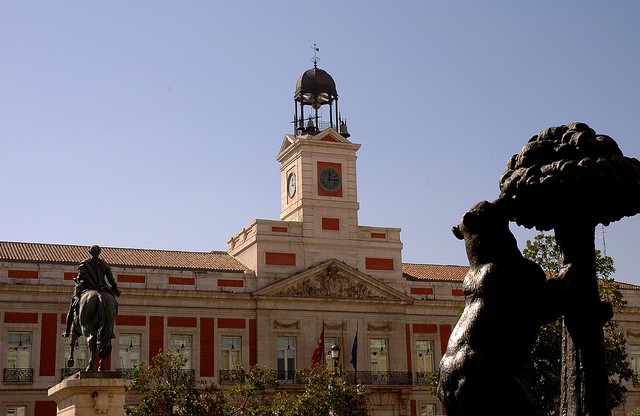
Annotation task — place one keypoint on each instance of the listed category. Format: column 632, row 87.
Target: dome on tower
column 315, row 87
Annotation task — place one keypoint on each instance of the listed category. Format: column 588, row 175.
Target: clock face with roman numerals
column 329, row 179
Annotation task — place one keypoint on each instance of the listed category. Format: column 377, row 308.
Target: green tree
column 542, row 376
column 250, row 398
column 166, row 389
column 323, row 394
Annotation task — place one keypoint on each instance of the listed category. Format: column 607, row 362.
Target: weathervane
column 315, row 55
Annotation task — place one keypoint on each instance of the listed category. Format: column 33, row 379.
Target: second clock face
column 329, row 179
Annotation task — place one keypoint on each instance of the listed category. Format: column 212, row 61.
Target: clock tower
column 318, row 166
column 319, row 198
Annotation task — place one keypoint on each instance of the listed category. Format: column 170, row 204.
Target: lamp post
column 335, row 354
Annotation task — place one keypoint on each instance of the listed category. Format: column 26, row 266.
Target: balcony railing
column 636, row 379
column 232, row 376
column 67, row 372
column 289, row 377
column 381, row 378
column 127, row 373
column 18, row 375
column 424, row 378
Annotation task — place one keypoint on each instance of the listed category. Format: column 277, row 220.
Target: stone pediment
column 327, row 135
column 330, row 135
column 335, row 280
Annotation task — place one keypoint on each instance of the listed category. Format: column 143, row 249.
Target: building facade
column 267, row 299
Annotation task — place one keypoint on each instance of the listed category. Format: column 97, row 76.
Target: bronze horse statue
column 93, row 309
column 94, row 320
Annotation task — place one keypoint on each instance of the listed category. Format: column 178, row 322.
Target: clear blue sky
column 155, row 124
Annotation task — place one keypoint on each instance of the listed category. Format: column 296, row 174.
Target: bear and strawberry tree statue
column 567, row 179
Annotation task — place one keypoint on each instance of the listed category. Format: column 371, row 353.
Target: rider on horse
column 91, row 276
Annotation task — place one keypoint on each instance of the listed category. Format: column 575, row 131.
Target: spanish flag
column 318, row 353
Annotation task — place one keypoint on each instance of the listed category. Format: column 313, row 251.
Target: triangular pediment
column 327, row 135
column 289, row 139
column 330, row 135
column 333, row 279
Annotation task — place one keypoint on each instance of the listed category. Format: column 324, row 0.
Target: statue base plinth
column 89, row 393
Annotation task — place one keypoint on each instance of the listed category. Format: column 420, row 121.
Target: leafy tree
column 248, row 398
column 542, row 377
column 165, row 389
column 323, row 394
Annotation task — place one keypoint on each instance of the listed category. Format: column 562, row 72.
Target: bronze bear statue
column 507, row 299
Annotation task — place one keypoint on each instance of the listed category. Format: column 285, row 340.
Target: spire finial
column 315, row 55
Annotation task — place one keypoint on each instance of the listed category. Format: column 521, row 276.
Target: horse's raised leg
column 72, row 344
column 92, row 349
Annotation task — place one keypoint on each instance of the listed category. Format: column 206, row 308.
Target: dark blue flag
column 354, row 353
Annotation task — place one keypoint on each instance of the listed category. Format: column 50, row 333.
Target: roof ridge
column 121, row 256
column 114, row 248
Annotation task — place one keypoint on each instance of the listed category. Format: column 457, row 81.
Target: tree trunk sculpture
column 569, row 179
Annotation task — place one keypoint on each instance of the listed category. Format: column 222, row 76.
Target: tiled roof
column 628, row 286
column 434, row 272
column 445, row 273
column 192, row 260
column 120, row 257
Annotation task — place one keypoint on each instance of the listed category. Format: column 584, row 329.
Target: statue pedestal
column 90, row 393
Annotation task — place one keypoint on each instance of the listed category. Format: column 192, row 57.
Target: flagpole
column 318, row 354
column 341, row 345
column 354, row 355
column 324, row 356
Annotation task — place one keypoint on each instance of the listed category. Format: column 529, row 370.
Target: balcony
column 289, row 377
column 370, row 378
column 18, row 375
column 67, row 372
column 378, row 378
column 231, row 376
column 127, row 373
column 427, row 378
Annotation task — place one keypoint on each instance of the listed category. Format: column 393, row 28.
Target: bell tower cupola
column 315, row 89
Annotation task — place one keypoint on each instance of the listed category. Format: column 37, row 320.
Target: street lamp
column 335, row 354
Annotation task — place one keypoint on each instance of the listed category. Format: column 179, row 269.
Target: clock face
column 291, row 185
column 329, row 179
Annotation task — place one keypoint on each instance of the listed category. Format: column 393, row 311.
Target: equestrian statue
column 93, row 310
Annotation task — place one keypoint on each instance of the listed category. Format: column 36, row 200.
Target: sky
column 155, row 124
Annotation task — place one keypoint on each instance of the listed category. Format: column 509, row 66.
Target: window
column 183, row 345
column 634, row 352
column 230, row 352
column 18, row 369
column 378, row 349
column 16, row 411
column 424, row 360
column 129, row 351
column 19, row 353
column 286, row 347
